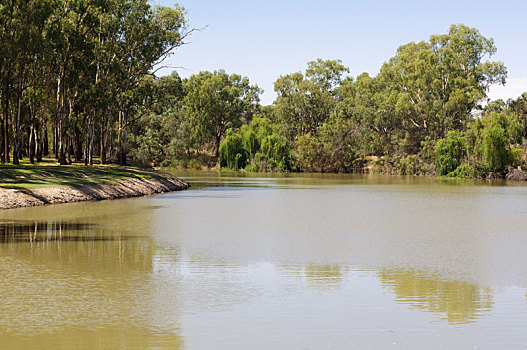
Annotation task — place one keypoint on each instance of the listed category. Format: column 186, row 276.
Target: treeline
column 74, row 74
column 423, row 113
column 77, row 81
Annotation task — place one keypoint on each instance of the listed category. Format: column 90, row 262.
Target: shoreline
column 131, row 187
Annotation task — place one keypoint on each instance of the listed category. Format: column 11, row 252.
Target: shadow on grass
column 32, row 176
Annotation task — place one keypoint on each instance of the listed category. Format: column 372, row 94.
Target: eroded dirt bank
column 134, row 187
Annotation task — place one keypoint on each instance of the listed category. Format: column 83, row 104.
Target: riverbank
column 27, row 186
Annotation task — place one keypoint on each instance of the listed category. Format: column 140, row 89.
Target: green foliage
column 150, row 148
column 217, row 101
column 410, row 165
column 415, row 117
column 82, row 69
column 306, row 101
column 82, row 72
column 516, row 157
column 511, row 124
column 494, row 147
column 427, row 152
column 232, row 152
column 492, row 137
column 334, row 149
column 464, row 171
column 449, row 153
column 432, row 87
column 309, row 154
column 251, row 143
column 277, row 151
column 255, row 147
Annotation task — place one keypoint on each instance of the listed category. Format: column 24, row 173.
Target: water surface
column 290, row 261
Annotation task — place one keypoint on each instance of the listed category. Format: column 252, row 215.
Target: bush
column 333, row 149
column 309, row 154
column 464, row 171
column 413, row 165
column 449, row 153
column 494, row 148
column 516, row 157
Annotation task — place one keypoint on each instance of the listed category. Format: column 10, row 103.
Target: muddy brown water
column 272, row 262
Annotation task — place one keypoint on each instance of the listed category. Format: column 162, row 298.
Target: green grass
column 49, row 173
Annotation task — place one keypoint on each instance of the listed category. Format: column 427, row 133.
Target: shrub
column 464, row 171
column 333, row 149
column 516, row 157
column 413, row 165
column 494, row 148
column 309, row 154
column 449, row 153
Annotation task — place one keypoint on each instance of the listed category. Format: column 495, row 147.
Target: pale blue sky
column 265, row 39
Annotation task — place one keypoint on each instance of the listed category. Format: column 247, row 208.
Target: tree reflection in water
column 460, row 302
column 77, row 285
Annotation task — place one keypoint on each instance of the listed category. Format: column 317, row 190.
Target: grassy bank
column 50, row 174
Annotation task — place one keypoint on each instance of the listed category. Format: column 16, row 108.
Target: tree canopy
column 73, row 67
column 78, row 80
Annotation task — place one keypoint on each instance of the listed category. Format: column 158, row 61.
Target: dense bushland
column 424, row 113
column 89, row 89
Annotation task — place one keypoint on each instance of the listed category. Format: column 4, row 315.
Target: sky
column 266, row 39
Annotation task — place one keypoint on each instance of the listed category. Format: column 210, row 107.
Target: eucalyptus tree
column 92, row 56
column 216, row 101
column 9, row 21
column 74, row 25
column 306, row 100
column 435, row 85
column 22, row 30
column 146, row 36
column 39, row 92
column 519, row 107
column 370, row 109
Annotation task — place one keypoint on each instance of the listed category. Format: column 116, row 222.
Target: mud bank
column 134, row 187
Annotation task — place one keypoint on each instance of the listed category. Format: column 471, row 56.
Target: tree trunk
column 55, row 139
column 37, row 138
column 111, row 147
column 61, row 112
column 6, row 131
column 88, row 140
column 78, row 144
column 69, row 149
column 91, row 136
column 121, row 139
column 32, row 142
column 102, row 145
column 217, row 145
column 1, row 139
column 16, row 139
column 45, row 141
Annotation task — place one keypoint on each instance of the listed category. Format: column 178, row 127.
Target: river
column 272, row 262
